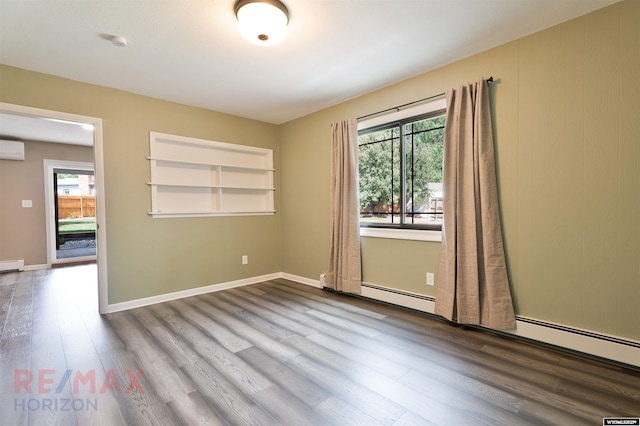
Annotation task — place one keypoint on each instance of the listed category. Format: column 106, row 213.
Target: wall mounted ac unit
column 11, row 150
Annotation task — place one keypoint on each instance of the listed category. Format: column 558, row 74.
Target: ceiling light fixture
column 262, row 22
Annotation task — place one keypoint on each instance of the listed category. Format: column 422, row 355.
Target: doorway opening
column 48, row 116
column 74, row 213
column 71, row 212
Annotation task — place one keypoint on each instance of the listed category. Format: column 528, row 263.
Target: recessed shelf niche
column 196, row 177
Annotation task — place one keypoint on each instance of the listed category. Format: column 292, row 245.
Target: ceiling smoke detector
column 119, row 41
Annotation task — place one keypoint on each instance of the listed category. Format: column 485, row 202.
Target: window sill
column 402, row 234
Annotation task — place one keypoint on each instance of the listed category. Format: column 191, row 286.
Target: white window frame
column 377, row 120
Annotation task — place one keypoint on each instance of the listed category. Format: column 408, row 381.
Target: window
column 401, row 173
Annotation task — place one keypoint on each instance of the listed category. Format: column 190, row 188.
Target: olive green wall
column 568, row 153
column 147, row 256
column 24, row 180
column 566, row 118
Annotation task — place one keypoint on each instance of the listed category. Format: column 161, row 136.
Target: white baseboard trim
column 138, row 303
column 36, row 267
column 301, row 280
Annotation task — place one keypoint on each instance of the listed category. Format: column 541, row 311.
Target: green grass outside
column 86, row 224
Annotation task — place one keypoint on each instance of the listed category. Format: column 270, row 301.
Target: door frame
column 98, row 163
column 50, row 207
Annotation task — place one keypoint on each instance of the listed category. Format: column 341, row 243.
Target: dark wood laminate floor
column 277, row 353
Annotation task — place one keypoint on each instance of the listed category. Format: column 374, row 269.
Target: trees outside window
column 400, row 166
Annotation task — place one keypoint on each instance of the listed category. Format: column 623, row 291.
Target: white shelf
column 208, row 214
column 195, row 177
column 249, row 188
column 226, row 166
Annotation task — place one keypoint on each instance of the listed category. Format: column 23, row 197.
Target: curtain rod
column 399, row 107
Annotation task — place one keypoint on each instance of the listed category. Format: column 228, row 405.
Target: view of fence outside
column 76, row 206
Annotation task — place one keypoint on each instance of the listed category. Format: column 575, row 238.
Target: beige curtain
column 345, row 269
column 473, row 286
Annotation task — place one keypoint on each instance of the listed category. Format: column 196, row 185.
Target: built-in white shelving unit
column 196, row 177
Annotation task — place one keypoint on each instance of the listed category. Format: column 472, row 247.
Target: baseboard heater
column 577, row 331
column 607, row 348
column 11, row 265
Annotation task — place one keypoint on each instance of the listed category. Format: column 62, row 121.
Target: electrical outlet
column 430, row 278
column 245, row 259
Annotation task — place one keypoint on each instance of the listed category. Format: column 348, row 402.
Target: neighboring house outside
column 82, row 185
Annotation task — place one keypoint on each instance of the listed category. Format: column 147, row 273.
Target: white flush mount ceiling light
column 262, row 22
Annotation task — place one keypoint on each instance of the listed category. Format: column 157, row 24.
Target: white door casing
column 98, row 163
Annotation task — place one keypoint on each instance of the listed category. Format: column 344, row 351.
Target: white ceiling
column 191, row 51
column 23, row 127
